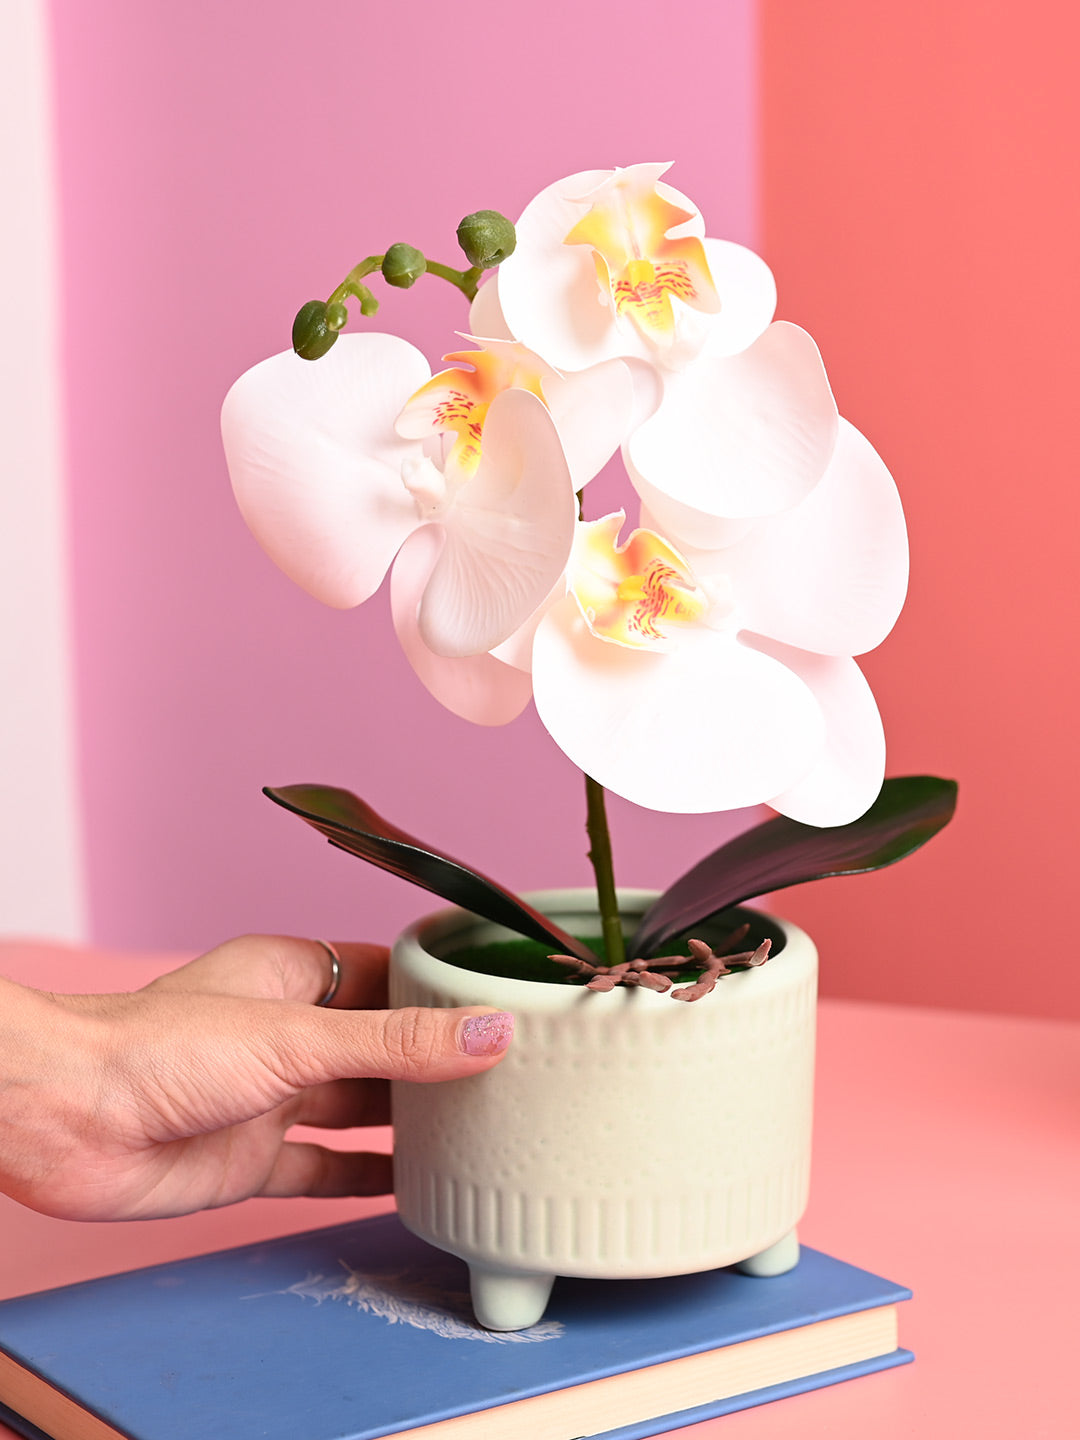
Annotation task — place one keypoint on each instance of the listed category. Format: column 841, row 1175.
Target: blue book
column 362, row 1330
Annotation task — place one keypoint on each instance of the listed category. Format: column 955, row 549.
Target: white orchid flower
column 695, row 680
column 739, row 420
column 361, row 460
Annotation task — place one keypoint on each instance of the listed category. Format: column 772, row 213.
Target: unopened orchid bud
column 487, row 238
column 403, row 265
column 312, row 333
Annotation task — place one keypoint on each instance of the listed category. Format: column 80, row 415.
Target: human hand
column 178, row 1097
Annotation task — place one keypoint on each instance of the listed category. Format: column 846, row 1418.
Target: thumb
column 413, row 1043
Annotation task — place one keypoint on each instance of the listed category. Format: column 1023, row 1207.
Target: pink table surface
column 946, row 1157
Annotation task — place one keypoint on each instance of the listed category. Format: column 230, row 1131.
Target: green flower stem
column 596, row 827
column 600, row 855
column 351, row 284
column 467, row 281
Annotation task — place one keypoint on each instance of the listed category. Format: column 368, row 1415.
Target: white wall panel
column 40, row 869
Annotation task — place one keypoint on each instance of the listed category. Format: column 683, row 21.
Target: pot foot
column 775, row 1259
column 508, row 1299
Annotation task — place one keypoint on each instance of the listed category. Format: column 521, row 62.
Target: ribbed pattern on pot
column 636, row 1234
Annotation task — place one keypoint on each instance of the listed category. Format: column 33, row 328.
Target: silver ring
column 335, row 972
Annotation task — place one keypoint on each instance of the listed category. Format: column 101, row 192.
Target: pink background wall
column 220, row 165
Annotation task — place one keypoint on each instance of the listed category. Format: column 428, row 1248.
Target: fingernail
column 486, row 1034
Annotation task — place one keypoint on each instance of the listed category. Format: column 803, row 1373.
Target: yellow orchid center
column 632, row 594
column 642, row 269
column 455, row 402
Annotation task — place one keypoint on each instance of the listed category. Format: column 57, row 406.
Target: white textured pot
column 624, row 1135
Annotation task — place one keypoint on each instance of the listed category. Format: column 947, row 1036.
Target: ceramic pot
column 625, row 1134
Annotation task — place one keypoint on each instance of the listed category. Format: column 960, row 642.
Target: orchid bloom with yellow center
column 644, row 267
column 631, row 594
column 691, row 676
column 463, row 482
column 591, row 410
column 613, row 263
column 734, row 415
column 335, row 494
column 455, row 402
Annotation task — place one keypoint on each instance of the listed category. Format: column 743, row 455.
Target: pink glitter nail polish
column 486, row 1034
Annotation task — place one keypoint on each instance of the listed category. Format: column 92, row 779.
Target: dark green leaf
column 909, row 810
column 351, row 825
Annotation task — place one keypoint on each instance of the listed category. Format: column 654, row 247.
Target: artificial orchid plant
column 700, row 660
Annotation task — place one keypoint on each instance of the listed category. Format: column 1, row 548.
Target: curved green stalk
column 600, row 855
column 467, row 281
column 351, row 284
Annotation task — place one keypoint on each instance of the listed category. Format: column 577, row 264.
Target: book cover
column 361, row 1330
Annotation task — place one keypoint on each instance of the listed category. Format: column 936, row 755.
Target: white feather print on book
column 405, row 1297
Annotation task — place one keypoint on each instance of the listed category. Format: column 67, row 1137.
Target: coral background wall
column 920, row 205
column 908, row 174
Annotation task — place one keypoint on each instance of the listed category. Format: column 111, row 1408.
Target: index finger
column 365, row 972
column 284, row 967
